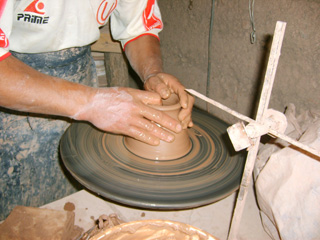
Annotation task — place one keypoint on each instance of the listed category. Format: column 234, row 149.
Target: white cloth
column 36, row 26
column 288, row 181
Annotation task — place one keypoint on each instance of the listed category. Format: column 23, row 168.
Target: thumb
column 147, row 97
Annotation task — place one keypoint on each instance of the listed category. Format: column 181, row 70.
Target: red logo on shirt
column 34, row 13
column 150, row 20
column 35, row 7
column 105, row 9
column 2, row 6
column 4, row 42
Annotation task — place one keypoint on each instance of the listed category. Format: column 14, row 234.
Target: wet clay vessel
column 164, row 151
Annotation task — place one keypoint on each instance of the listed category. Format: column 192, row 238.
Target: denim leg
column 31, row 172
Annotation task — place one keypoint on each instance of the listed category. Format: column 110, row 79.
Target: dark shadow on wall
column 258, row 83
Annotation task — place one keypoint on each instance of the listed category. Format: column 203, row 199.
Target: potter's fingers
column 186, row 99
column 154, row 129
column 191, row 100
column 156, row 84
column 161, row 118
column 187, row 122
column 175, row 86
column 185, row 114
column 146, row 97
column 143, row 136
column 185, row 118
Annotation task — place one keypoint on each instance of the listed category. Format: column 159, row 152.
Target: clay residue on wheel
column 69, row 206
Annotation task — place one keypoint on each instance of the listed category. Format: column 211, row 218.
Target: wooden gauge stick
column 262, row 108
column 250, row 120
column 258, row 123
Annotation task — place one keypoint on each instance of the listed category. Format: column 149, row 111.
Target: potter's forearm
column 118, row 110
column 144, row 56
column 25, row 89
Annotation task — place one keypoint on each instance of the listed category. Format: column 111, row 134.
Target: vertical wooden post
column 263, row 106
column 117, row 71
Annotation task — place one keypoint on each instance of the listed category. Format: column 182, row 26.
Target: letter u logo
column 105, row 9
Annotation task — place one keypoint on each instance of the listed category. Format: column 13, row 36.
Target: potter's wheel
column 209, row 172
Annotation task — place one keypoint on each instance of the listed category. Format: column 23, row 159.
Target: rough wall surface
column 237, row 66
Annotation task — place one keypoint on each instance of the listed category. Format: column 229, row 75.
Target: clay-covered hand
column 165, row 84
column 125, row 111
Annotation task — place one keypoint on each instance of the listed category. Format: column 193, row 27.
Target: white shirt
column 34, row 26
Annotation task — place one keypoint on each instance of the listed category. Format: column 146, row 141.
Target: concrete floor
column 214, row 218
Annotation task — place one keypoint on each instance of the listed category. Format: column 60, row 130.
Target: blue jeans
column 31, row 173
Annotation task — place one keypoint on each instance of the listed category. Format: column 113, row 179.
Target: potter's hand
column 125, row 111
column 165, row 84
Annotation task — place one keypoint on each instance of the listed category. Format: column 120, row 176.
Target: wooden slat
column 106, row 44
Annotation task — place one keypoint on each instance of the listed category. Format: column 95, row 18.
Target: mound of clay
column 36, row 223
